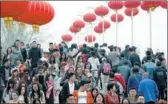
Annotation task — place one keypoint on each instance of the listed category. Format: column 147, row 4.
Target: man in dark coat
column 34, row 55
column 68, row 88
column 4, row 76
column 123, row 60
column 23, row 51
column 134, row 57
column 51, row 48
column 160, row 77
column 126, row 52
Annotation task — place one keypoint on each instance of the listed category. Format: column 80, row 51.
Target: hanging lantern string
column 152, row 7
column 8, row 22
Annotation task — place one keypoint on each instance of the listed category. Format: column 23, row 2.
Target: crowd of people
column 88, row 74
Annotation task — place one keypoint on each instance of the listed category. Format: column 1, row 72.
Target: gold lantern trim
column 8, row 22
column 36, row 28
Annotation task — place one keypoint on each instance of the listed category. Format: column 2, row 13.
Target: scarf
column 50, row 87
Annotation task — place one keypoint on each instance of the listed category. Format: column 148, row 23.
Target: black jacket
column 134, row 58
column 160, row 77
column 35, row 55
column 24, row 54
column 66, row 91
column 3, row 74
column 64, row 78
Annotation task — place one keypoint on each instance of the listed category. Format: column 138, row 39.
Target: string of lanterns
column 131, row 11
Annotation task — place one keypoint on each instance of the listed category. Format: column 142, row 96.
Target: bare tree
column 26, row 34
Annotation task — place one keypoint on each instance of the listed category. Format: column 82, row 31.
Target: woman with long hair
column 35, row 79
column 88, row 65
column 15, row 75
column 7, row 94
column 52, row 59
column 36, row 93
column 51, row 92
column 125, row 101
column 79, row 61
column 8, row 52
column 87, row 68
column 99, row 99
column 63, row 62
column 69, row 63
column 63, row 57
column 94, row 92
column 22, row 98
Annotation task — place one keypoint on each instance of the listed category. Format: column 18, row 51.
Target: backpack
column 84, row 58
column 106, row 69
column 121, row 80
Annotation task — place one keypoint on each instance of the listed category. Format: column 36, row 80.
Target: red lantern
column 144, row 7
column 90, row 38
column 37, row 13
column 13, row 8
column 106, row 24
column 132, row 4
column 97, row 29
column 66, row 37
column 89, row 17
column 10, row 9
column 152, row 3
column 164, row 4
column 73, row 29
column 114, row 17
column 128, row 12
column 79, row 24
column 101, row 11
column 116, row 5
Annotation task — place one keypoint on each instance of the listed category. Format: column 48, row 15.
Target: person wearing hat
column 82, row 95
column 92, row 81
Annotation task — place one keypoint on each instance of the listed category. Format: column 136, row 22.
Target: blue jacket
column 133, row 81
column 148, row 89
column 149, row 67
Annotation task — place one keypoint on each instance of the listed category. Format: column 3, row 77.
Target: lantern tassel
column 35, row 28
column 8, row 22
column 22, row 25
column 153, row 9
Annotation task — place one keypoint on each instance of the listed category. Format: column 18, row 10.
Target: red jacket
column 109, row 99
column 118, row 77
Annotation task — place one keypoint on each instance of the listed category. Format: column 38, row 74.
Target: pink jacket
column 50, row 86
